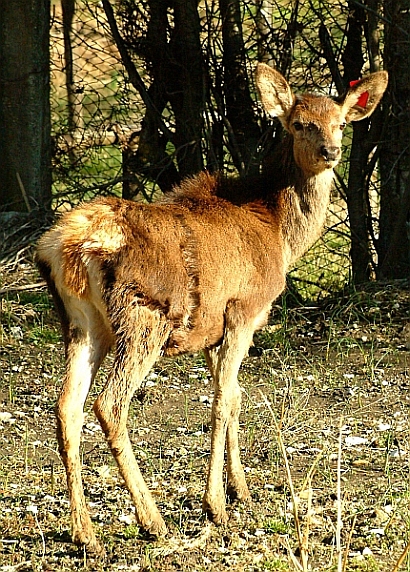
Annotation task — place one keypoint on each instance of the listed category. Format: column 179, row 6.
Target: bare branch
column 132, row 71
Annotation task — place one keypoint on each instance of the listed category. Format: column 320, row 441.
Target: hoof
column 217, row 515
column 240, row 493
column 91, row 546
column 155, row 528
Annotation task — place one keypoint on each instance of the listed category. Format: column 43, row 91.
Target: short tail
column 62, row 260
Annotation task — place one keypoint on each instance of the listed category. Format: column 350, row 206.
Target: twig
column 42, row 536
column 23, row 192
column 22, row 288
column 285, row 542
column 305, row 538
column 308, row 479
column 34, row 511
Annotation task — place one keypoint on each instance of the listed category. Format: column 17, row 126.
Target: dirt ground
column 325, row 388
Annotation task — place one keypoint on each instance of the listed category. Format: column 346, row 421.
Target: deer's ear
column 275, row 94
column 364, row 95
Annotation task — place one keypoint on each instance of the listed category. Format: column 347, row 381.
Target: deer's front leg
column 224, row 429
column 213, row 502
column 224, row 363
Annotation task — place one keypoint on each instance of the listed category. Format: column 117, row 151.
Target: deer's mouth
column 330, row 164
column 330, row 154
column 319, row 164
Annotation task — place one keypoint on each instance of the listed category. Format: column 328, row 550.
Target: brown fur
column 197, row 270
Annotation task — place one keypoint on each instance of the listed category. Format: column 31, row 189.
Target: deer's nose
column 330, row 153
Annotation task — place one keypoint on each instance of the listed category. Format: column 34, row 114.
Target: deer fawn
column 197, row 270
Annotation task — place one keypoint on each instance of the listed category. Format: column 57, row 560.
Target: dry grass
column 324, row 442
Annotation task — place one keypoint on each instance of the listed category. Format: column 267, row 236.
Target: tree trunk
column 357, row 205
column 188, row 99
column 353, row 61
column 25, row 181
column 393, row 244
column 244, row 130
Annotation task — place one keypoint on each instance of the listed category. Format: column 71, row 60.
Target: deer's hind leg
column 87, row 341
column 141, row 334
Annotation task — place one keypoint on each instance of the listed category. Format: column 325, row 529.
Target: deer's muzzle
column 330, row 153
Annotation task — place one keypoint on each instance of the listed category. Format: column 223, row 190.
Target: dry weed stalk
column 303, row 538
column 402, row 558
column 339, row 523
column 346, row 553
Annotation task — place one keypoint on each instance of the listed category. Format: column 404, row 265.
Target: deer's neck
column 305, row 204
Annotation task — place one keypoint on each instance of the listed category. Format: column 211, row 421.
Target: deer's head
column 315, row 122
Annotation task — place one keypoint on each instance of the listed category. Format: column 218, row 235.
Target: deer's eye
column 297, row 126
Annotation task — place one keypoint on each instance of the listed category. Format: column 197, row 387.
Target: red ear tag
column 363, row 98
